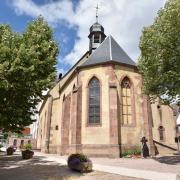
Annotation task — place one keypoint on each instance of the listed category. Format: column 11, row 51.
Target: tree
column 160, row 54
column 27, row 68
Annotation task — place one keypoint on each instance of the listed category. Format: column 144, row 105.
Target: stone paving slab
column 53, row 166
column 139, row 168
column 152, row 175
column 170, row 164
column 47, row 167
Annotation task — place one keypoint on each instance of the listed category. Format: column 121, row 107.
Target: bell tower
column 96, row 36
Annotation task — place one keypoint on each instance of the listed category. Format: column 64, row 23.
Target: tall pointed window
column 94, row 101
column 161, row 133
column 126, row 102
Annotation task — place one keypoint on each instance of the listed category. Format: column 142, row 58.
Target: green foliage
column 28, row 146
column 1, row 145
column 27, row 68
column 160, row 54
column 20, row 135
column 131, row 152
column 81, row 157
column 5, row 135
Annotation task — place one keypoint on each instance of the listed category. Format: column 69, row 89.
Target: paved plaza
column 53, row 167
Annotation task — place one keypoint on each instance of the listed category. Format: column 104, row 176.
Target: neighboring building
column 21, row 140
column 34, row 125
column 29, row 134
column 34, row 128
column 98, row 107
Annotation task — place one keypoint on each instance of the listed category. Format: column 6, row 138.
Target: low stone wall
column 19, row 141
column 93, row 150
column 100, row 150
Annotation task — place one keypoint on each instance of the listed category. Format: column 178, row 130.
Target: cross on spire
column 97, row 8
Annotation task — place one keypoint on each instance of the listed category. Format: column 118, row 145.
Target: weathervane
column 97, row 8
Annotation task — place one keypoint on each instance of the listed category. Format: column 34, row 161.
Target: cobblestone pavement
column 38, row 168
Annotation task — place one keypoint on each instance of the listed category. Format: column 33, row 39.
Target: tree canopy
column 27, row 68
column 160, row 54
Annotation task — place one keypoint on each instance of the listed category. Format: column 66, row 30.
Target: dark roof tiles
column 109, row 50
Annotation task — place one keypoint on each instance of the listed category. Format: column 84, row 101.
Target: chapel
column 98, row 108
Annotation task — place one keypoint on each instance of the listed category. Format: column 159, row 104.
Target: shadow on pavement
column 15, row 168
column 172, row 160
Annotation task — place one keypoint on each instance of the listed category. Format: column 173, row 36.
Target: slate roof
column 109, row 50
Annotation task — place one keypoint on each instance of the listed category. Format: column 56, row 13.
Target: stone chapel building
column 98, row 108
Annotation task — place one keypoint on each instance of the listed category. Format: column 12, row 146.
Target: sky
column 71, row 20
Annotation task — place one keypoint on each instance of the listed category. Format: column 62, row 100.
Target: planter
column 9, row 151
column 79, row 162
column 81, row 167
column 27, row 154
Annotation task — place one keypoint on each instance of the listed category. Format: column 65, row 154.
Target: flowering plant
column 79, row 162
column 77, row 158
column 75, row 161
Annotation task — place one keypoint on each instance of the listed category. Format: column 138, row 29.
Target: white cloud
column 27, row 7
column 54, row 12
column 123, row 19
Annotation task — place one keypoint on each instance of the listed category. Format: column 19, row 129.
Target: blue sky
column 71, row 19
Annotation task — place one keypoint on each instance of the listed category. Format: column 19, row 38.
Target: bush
column 80, row 157
column 1, row 145
column 131, row 152
column 79, row 162
column 28, row 146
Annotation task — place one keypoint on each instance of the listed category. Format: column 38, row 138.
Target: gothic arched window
column 161, row 133
column 74, row 87
column 126, row 101
column 94, row 101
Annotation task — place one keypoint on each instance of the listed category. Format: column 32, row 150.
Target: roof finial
column 97, row 8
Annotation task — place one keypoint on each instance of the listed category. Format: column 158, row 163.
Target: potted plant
column 79, row 162
column 27, row 153
column 10, row 150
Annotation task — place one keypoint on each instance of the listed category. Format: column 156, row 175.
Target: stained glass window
column 126, row 102
column 94, row 101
